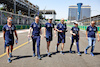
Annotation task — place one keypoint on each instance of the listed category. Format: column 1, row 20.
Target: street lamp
column 14, row 6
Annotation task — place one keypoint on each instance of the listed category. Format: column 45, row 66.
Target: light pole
column 44, row 11
column 70, row 15
column 28, row 8
column 14, row 6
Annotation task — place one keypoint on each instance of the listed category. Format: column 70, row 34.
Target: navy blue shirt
column 36, row 28
column 9, row 32
column 75, row 30
column 62, row 27
column 91, row 31
column 49, row 27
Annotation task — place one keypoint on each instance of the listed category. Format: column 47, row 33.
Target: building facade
column 73, row 12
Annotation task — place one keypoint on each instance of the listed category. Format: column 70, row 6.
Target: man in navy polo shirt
column 75, row 36
column 61, row 29
column 48, row 33
column 36, row 27
column 8, row 36
column 90, row 35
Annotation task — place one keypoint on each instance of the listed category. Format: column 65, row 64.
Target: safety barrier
column 84, row 27
column 19, row 27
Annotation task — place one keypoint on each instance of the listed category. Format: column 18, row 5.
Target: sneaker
column 70, row 51
column 79, row 53
column 85, row 51
column 9, row 61
column 10, row 54
column 61, row 52
column 92, row 54
column 49, row 54
column 56, row 49
column 39, row 58
column 34, row 55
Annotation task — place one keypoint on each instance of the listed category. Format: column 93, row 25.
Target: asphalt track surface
column 22, row 53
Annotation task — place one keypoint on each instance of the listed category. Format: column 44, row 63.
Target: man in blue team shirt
column 36, row 27
column 90, row 35
column 75, row 36
column 61, row 29
column 48, row 33
column 8, row 36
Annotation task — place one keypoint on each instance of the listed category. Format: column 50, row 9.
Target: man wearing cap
column 8, row 34
column 36, row 27
column 90, row 35
column 75, row 36
column 61, row 29
column 48, row 33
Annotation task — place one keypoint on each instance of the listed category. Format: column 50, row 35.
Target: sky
column 61, row 6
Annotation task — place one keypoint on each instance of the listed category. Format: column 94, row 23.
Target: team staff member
column 90, row 35
column 48, row 33
column 75, row 36
column 8, row 36
column 36, row 27
column 61, row 29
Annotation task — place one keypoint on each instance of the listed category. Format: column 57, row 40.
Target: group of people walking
column 61, row 29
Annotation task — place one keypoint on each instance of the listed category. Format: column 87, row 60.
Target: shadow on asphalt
column 53, row 53
column 96, row 53
column 19, row 57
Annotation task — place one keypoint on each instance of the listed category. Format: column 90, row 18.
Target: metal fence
column 17, row 19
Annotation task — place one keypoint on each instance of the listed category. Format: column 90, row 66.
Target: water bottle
column 16, row 41
column 28, row 40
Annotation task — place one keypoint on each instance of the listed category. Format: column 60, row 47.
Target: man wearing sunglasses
column 48, row 33
column 36, row 27
column 90, row 35
column 8, row 36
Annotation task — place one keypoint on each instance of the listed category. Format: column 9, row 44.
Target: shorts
column 48, row 38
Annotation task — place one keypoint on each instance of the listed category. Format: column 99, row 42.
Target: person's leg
column 89, row 44
column 7, row 51
column 38, row 47
column 71, row 43
column 77, row 43
column 48, row 45
column 59, row 41
column 34, row 41
column 93, row 45
column 10, row 54
column 62, row 47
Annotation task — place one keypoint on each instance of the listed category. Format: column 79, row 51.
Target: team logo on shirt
column 39, row 26
column 94, row 29
column 60, row 26
column 7, row 28
column 51, row 25
column 64, row 26
column 75, row 29
column 48, row 25
column 90, row 29
column 12, row 28
column 34, row 25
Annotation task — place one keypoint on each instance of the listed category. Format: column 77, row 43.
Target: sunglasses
column 10, row 20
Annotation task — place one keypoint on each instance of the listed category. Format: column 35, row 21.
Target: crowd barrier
column 84, row 27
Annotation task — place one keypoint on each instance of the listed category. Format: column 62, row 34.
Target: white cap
column 50, row 18
column 75, row 22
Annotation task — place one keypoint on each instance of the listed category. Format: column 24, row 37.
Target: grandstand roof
column 48, row 11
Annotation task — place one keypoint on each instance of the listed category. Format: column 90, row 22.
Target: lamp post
column 14, row 6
